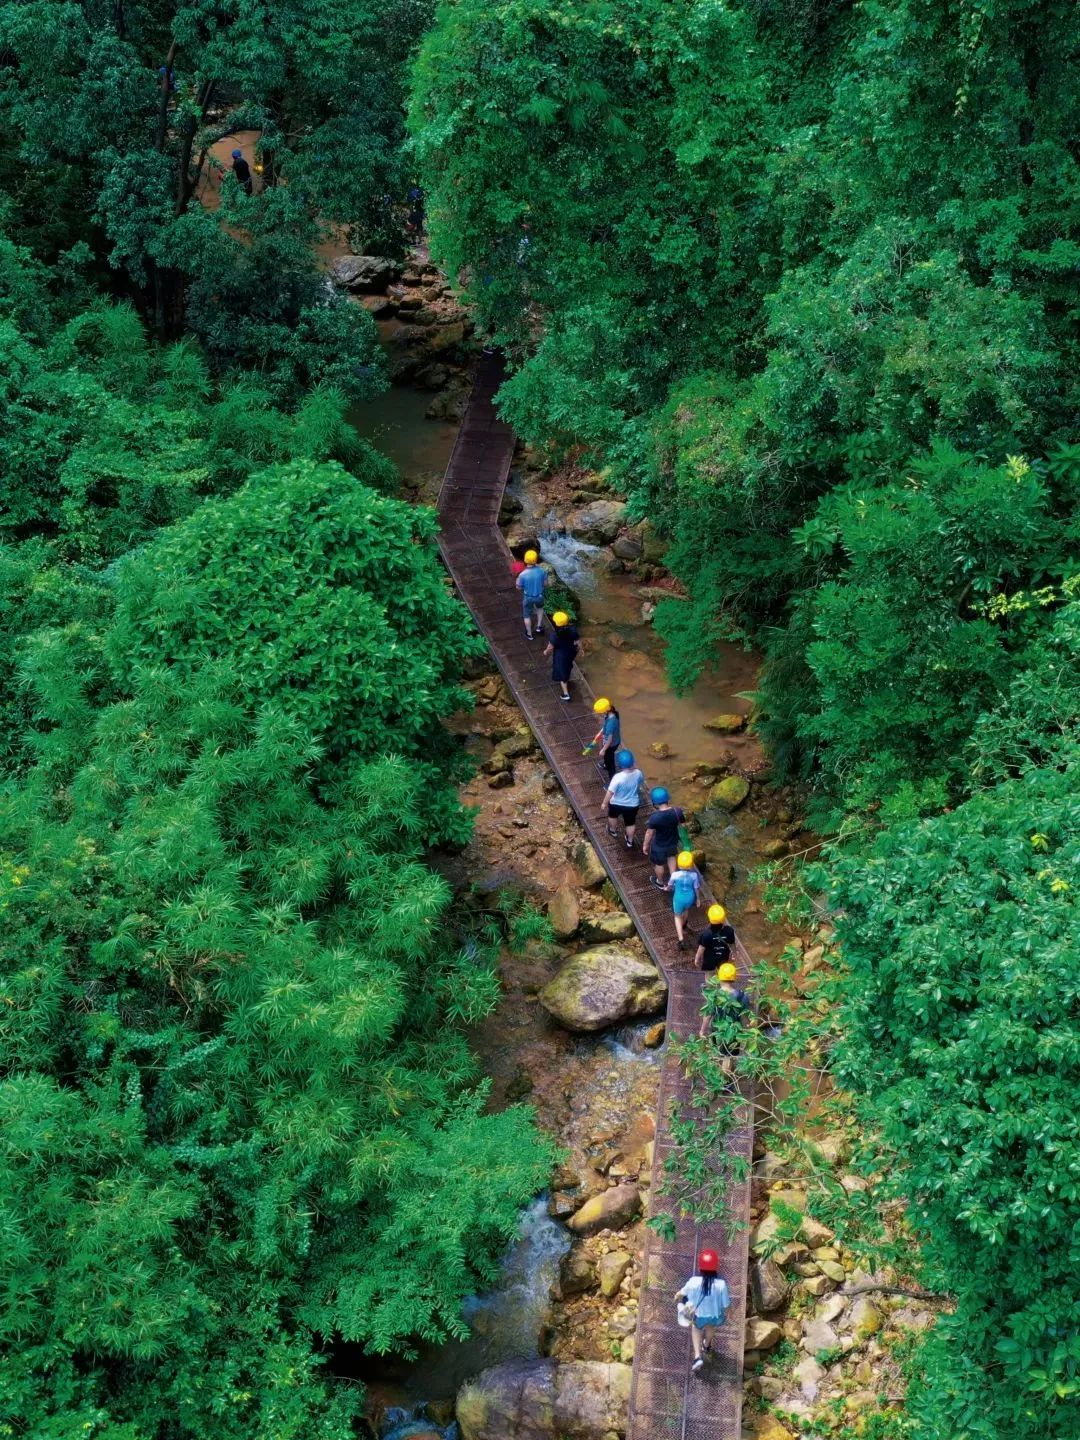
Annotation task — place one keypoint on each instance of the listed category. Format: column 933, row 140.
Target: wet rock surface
column 546, row 1400
column 602, row 986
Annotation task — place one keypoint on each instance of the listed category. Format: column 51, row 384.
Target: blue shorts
column 528, row 606
column 701, row 1323
column 681, row 907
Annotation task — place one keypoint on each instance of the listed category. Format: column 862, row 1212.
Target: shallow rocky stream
column 569, row 1298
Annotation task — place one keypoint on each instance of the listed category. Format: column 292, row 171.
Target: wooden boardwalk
column 667, row 1401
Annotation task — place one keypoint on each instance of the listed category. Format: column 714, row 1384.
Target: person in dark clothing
column 661, row 843
column 242, row 171
column 716, row 943
column 726, row 1009
column 563, row 647
column 414, row 222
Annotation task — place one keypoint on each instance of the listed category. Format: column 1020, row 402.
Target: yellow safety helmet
column 560, row 618
column 727, row 972
column 685, row 859
column 717, row 914
column 531, row 557
column 601, row 706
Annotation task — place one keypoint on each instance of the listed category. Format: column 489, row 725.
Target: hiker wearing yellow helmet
column 726, row 1009
column 685, row 887
column 563, row 647
column 716, row 943
column 609, row 736
column 531, row 583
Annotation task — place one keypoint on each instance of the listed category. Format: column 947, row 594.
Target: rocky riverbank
column 579, row 1026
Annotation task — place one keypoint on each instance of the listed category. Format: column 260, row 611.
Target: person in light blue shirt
column 685, row 886
column 704, row 1302
column 531, row 583
column 622, row 798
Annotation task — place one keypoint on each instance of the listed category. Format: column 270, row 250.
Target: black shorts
column 627, row 813
column 660, row 854
column 609, row 760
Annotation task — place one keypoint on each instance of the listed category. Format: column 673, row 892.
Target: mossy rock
column 729, row 793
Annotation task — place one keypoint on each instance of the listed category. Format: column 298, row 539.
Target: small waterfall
column 572, row 560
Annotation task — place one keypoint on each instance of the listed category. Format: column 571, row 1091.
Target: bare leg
column 695, row 1340
column 661, row 873
column 707, row 1337
column 539, row 618
column 630, row 833
column 679, row 927
column 671, row 864
column 565, row 689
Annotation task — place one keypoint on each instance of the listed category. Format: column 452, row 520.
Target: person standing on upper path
column 726, row 1007
column 622, row 798
column 685, row 886
column 531, row 582
column 564, row 648
column 703, row 1302
column 242, row 171
column 661, row 843
column 609, row 736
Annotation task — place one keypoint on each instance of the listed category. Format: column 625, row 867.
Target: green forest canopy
column 239, row 1117
column 804, row 277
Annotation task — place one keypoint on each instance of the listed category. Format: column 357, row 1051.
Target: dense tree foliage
column 111, row 113
column 239, row 1116
column 804, row 278
column 239, row 1108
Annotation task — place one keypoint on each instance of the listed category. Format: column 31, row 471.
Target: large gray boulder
column 610, row 1210
column 598, row 523
column 362, row 274
column 603, row 986
column 546, row 1400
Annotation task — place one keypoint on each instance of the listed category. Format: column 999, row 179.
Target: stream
column 623, row 658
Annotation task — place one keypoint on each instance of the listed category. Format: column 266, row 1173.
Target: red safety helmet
column 708, row 1261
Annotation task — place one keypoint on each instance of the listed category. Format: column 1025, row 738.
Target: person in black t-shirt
column 716, row 943
column 661, row 842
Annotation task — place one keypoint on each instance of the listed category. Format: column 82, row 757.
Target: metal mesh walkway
column 667, row 1402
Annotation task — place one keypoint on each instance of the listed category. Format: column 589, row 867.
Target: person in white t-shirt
column 622, row 798
column 703, row 1303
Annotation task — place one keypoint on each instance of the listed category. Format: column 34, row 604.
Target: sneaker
column 682, row 944
column 565, row 699
column 659, row 884
column 629, row 844
column 613, row 833
column 528, row 635
column 699, row 1364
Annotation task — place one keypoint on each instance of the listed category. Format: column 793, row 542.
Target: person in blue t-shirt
column 609, row 736
column 685, row 885
column 623, row 796
column 531, row 583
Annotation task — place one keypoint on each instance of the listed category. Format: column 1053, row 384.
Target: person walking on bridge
column 622, row 798
column 703, row 1304
column 726, row 1009
column 531, row 583
column 563, row 647
column 685, row 886
column 661, row 843
column 609, row 736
